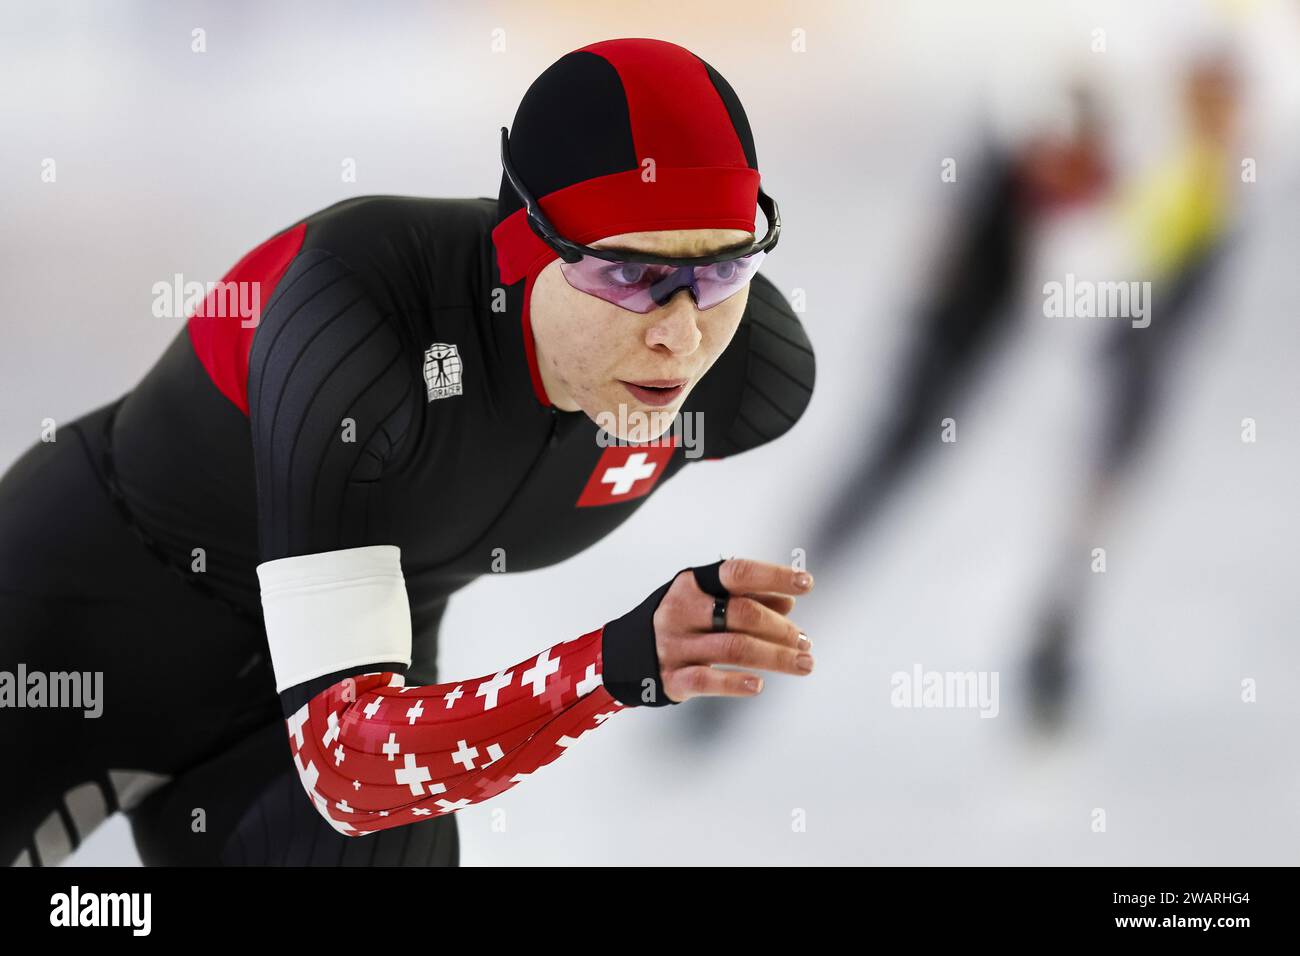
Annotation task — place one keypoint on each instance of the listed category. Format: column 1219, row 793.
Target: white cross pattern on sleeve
column 430, row 760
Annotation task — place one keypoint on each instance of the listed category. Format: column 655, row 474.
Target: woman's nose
column 675, row 325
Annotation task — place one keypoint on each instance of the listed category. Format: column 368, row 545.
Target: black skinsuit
column 99, row 529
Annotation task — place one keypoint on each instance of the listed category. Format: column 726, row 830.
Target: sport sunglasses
column 641, row 281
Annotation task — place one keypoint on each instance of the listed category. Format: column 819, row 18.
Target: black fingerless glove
column 629, row 654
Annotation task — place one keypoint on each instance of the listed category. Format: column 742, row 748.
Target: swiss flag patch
column 625, row 472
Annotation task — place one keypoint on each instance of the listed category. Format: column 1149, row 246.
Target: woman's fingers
column 744, row 575
column 745, row 650
column 747, row 615
column 781, row 603
column 700, row 680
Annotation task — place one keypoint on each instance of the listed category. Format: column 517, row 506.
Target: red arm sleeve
column 373, row 753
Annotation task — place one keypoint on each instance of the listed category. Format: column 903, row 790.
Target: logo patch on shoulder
column 442, row 370
column 625, row 472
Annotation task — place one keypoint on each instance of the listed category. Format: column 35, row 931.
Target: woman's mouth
column 656, row 391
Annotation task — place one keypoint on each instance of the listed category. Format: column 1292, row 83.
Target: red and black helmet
column 625, row 135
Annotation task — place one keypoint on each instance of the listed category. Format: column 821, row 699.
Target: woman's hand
column 758, row 633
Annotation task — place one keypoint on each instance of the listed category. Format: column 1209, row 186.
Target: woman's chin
column 632, row 421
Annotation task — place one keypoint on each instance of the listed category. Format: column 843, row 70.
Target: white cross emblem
column 372, row 708
column 332, row 734
column 490, row 687
column 537, row 674
column 415, row 711
column 590, row 681
column 392, row 748
column 295, row 724
column 627, row 474
column 413, row 776
column 465, row 755
column 323, row 807
column 308, row 774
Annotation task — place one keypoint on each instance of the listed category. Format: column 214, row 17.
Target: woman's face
column 592, row 354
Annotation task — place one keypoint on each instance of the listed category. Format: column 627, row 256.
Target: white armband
column 334, row 610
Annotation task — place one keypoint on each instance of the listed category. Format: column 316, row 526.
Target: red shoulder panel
column 222, row 338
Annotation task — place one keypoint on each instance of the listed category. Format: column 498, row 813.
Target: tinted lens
column 721, row 280
column 641, row 287
column 625, row 284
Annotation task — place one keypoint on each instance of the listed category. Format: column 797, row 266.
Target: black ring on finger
column 719, row 614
